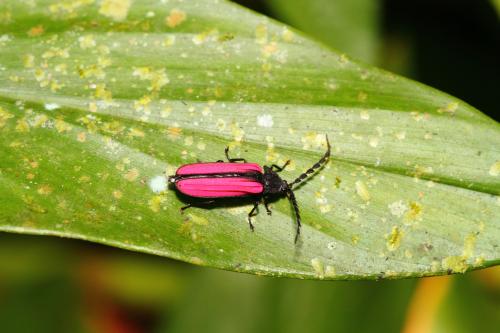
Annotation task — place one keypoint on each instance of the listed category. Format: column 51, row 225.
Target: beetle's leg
column 253, row 213
column 208, row 202
column 292, row 199
column 183, row 208
column 226, row 151
column 266, row 204
column 278, row 168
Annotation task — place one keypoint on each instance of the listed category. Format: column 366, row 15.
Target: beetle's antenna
column 318, row 164
column 291, row 196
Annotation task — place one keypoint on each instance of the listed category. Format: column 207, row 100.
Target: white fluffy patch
column 265, row 120
column 398, row 208
column 158, row 184
column 52, row 106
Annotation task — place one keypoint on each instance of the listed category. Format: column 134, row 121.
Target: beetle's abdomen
column 219, row 187
column 217, row 168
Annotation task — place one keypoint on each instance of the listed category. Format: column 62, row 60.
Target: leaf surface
column 100, row 99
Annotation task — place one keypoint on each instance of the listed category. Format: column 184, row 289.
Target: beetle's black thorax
column 273, row 184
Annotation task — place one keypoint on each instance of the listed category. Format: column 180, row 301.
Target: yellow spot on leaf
column 157, row 77
column 174, row 132
column 36, row 31
column 209, row 35
column 450, row 108
column 479, row 260
column 4, row 116
column 221, row 125
column 169, row 41
column 55, row 85
column 115, row 9
column 166, row 112
column 400, row 135
column 188, row 141
column 135, row 132
column 196, row 261
column 330, row 271
column 117, row 194
column 175, row 18
column 373, row 142
column 237, row 132
column 201, row 145
column 102, row 93
column 22, row 126
column 312, row 139
column 495, row 169
column 28, row 60
column 32, row 205
column 469, row 245
column 455, row 264
column 414, row 212
column 261, row 34
column 155, row 203
column 142, row 104
column 394, row 239
column 343, row 59
column 198, row 219
column 91, row 71
column 362, row 191
column 132, row 175
column 287, row 35
column 68, row 7
column 269, row 49
column 56, row 52
column 5, row 17
column 84, row 179
column 39, row 120
column 81, row 137
column 322, row 201
column 318, row 267
column 113, row 127
column 87, row 41
column 62, row 126
column 44, row 189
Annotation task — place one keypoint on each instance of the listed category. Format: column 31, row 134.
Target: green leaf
column 99, row 99
column 347, row 25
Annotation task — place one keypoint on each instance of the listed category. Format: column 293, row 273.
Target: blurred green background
column 55, row 285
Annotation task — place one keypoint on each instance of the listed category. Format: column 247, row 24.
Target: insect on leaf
column 100, row 99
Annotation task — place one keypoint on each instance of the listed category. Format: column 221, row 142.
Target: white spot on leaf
column 158, row 184
column 51, row 106
column 265, row 120
column 398, row 208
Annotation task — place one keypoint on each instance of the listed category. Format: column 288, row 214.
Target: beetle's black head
column 273, row 184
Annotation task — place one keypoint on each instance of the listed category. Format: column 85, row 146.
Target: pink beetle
column 239, row 179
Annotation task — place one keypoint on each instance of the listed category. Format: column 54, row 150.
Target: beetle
column 239, row 179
